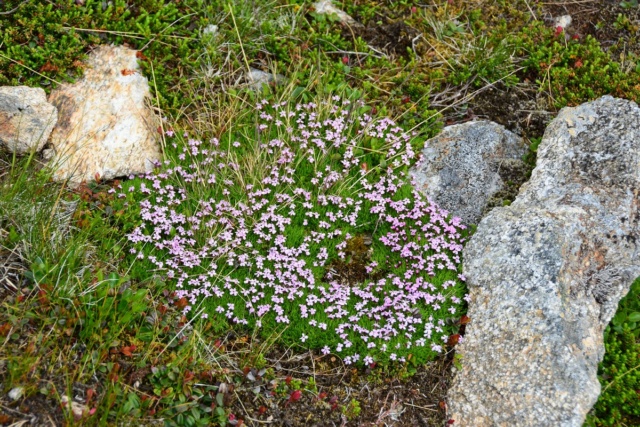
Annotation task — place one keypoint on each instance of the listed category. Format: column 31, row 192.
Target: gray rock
column 106, row 126
column 462, row 168
column 546, row 273
column 26, row 118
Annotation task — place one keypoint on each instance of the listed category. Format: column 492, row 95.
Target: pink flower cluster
column 249, row 229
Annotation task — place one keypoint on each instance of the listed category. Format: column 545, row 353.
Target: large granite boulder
column 106, row 127
column 546, row 273
column 26, row 118
column 467, row 165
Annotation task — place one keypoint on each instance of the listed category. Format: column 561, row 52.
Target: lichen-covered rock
column 26, row 118
column 105, row 124
column 461, row 168
column 546, row 273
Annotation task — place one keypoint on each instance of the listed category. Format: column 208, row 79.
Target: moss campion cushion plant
column 269, row 242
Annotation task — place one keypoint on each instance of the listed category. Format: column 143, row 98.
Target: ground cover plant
column 87, row 326
column 282, row 235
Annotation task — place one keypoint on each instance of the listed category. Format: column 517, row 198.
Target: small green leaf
column 634, row 317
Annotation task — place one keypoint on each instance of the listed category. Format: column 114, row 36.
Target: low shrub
column 619, row 372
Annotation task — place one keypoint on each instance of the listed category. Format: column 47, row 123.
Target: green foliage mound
column 619, row 372
column 43, row 43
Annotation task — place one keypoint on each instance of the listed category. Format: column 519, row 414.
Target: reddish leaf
column 453, row 340
column 182, row 303
column 48, row 66
column 464, row 320
column 4, row 329
column 42, row 298
column 295, row 395
column 141, row 55
column 127, row 72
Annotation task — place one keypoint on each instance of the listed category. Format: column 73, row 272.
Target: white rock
column 257, row 78
column 326, row 7
column 77, row 409
column 16, row 393
column 105, row 126
column 562, row 21
column 210, row 29
column 26, row 118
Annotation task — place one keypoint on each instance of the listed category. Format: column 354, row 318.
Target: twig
column 530, row 10
column 130, row 34
column 9, row 12
column 615, row 379
column 347, row 52
column 421, row 407
column 165, row 29
column 235, row 26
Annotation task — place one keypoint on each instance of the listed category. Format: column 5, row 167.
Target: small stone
column 26, row 118
column 77, row 409
column 210, row 29
column 257, row 78
column 16, row 393
column 326, row 7
column 562, row 21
